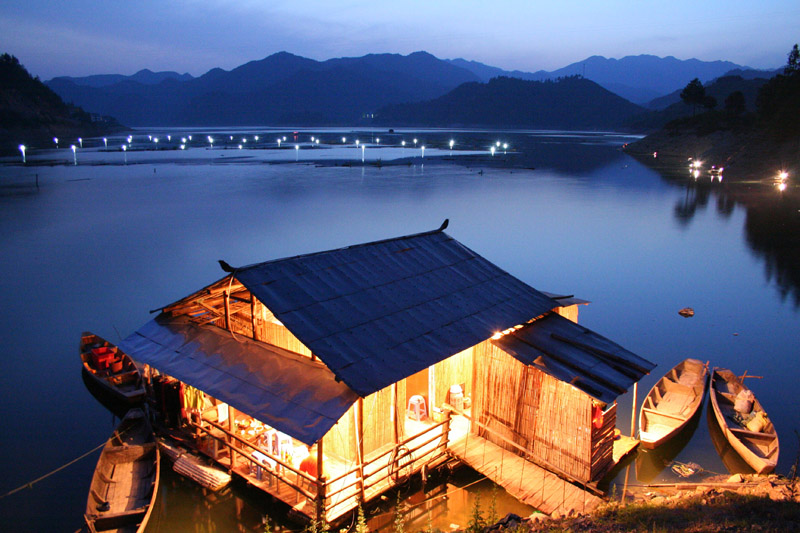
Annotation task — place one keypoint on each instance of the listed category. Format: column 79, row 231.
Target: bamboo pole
column 360, row 446
column 633, row 410
column 231, row 428
column 395, row 414
column 253, row 316
column 320, row 485
column 227, row 301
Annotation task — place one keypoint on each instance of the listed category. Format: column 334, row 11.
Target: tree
column 793, row 64
column 694, row 94
column 735, row 103
column 709, row 102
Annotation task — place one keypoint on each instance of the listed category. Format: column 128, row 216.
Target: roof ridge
column 230, row 269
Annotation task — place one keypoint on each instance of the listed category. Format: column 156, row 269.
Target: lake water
column 99, row 244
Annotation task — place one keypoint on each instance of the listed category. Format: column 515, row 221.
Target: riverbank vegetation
column 740, row 503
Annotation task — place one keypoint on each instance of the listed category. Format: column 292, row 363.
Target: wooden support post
column 227, row 299
column 395, row 415
column 253, row 316
column 633, row 411
column 448, row 419
column 321, row 486
column 232, row 429
column 360, row 446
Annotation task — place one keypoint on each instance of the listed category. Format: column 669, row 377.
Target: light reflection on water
column 97, row 247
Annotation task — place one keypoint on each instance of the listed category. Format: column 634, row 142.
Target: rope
column 30, row 484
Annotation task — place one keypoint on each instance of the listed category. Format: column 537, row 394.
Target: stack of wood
column 193, row 467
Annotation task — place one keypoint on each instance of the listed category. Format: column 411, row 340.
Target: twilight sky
column 83, row 37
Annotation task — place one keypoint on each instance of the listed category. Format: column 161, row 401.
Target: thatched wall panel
column 455, row 370
column 549, row 418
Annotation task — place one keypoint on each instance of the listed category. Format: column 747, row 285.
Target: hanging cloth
column 597, row 416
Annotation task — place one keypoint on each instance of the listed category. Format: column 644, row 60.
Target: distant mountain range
column 280, row 89
column 636, row 78
column 144, row 76
column 285, row 89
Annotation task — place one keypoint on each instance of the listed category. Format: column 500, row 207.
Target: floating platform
column 526, row 481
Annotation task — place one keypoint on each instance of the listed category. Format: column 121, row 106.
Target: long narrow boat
column 758, row 448
column 112, row 369
column 125, row 481
column 672, row 402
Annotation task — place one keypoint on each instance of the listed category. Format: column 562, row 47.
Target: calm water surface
column 95, row 247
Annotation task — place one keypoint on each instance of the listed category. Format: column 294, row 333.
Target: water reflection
column 444, row 502
column 772, row 223
column 652, row 465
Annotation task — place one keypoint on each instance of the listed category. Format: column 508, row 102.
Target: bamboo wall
column 549, row 418
column 340, row 441
column 569, row 312
column 379, row 423
column 267, row 330
column 455, row 370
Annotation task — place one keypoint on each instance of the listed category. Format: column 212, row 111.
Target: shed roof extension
column 576, row 355
column 287, row 391
column 376, row 313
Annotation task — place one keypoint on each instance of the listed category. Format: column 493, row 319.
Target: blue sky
column 82, row 37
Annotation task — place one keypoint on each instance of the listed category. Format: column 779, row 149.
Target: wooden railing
column 389, row 467
column 246, row 451
column 373, row 477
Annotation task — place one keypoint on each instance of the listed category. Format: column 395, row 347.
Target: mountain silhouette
column 280, row 89
column 637, row 78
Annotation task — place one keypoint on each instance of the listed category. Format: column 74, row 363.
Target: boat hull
column 672, row 402
column 759, row 449
column 117, row 375
column 125, row 481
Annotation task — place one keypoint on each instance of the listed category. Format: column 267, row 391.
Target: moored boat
column 125, row 481
column 112, row 369
column 743, row 421
column 672, row 402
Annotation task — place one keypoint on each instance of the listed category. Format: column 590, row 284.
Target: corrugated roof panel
column 378, row 312
column 530, row 356
column 285, row 390
column 576, row 355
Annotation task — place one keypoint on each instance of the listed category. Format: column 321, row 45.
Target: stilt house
column 368, row 353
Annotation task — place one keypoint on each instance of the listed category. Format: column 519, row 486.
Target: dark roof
column 376, row 313
column 576, row 355
column 288, row 391
column 566, row 300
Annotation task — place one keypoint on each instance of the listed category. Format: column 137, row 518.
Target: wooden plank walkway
column 522, row 479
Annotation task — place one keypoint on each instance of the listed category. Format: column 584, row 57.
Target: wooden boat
column 112, row 369
column 758, row 448
column 125, row 481
column 672, row 402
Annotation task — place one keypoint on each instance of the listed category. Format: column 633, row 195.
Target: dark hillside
column 32, row 113
column 568, row 103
